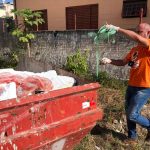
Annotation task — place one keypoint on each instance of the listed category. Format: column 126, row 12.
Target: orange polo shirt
column 140, row 71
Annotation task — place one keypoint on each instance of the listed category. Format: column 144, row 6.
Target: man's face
column 141, row 30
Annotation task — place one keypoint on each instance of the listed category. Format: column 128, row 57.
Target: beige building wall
column 2, row 13
column 6, row 11
column 109, row 11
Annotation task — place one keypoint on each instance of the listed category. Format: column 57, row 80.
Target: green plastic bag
column 106, row 34
column 103, row 34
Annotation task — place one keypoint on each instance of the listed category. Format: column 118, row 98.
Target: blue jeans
column 135, row 98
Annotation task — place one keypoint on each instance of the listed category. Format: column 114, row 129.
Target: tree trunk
column 28, row 50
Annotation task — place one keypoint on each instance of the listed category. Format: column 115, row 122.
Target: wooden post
column 75, row 20
column 3, row 24
column 141, row 15
column 28, row 50
column 37, row 28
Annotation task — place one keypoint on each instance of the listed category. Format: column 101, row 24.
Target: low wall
column 54, row 47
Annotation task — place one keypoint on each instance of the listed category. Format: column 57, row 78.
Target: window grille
column 131, row 8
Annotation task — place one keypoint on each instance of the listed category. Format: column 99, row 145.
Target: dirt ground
column 109, row 133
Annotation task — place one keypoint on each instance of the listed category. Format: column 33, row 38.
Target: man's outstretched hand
column 110, row 26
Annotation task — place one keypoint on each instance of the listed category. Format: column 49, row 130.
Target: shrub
column 77, row 63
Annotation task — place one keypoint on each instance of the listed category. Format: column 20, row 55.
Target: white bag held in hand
column 105, row 60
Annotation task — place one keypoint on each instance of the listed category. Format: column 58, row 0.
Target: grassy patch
column 110, row 132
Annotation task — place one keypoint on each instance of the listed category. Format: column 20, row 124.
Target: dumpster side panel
column 58, row 118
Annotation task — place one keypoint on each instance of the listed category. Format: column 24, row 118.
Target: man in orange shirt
column 138, row 91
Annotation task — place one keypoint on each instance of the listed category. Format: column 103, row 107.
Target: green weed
column 77, row 63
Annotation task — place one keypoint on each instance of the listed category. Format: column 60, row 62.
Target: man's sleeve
column 149, row 44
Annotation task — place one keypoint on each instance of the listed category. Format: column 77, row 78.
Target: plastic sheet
column 15, row 84
column 25, row 84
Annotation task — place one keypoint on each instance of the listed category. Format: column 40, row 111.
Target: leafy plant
column 77, row 63
column 10, row 23
column 23, row 30
column 9, row 59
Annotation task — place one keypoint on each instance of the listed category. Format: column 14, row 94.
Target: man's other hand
column 105, row 61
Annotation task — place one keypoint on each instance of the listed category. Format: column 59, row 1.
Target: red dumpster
column 56, row 120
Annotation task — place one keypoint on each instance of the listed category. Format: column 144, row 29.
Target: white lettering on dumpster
column 58, row 145
column 85, row 105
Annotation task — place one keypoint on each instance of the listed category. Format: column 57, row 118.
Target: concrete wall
column 6, row 41
column 54, row 47
column 109, row 11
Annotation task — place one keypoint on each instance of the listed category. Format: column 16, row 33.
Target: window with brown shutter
column 131, row 8
column 94, row 17
column 82, row 17
column 70, row 18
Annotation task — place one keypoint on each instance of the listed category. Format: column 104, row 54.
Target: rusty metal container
column 56, row 120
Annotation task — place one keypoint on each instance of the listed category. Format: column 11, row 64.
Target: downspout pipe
column 15, row 8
